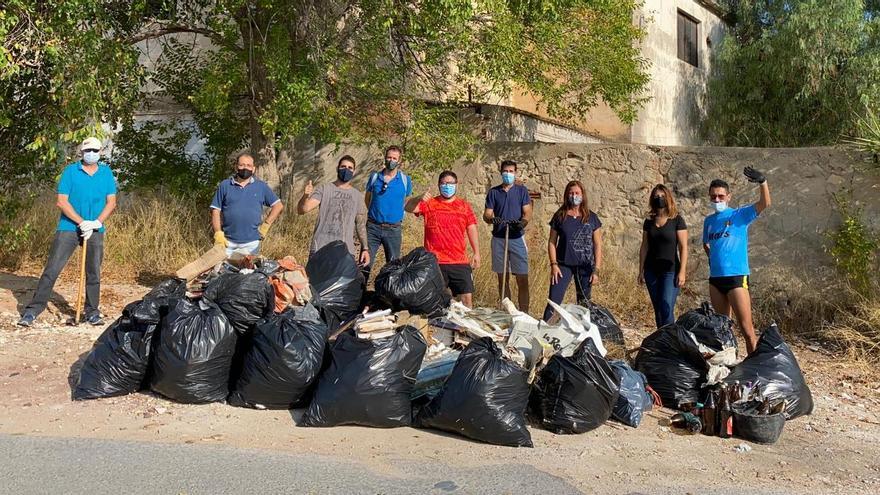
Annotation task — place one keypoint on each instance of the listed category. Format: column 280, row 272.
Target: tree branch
column 158, row 30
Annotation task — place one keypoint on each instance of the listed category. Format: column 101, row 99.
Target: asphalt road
column 70, row 465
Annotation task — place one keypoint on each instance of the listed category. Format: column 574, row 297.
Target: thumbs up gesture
column 309, row 189
column 427, row 196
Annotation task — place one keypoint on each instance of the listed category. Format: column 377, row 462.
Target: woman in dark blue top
column 663, row 255
column 574, row 247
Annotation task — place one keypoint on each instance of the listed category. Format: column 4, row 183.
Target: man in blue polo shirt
column 726, row 242
column 237, row 209
column 385, row 195
column 509, row 209
column 86, row 198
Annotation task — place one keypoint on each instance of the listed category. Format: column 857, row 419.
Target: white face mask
column 719, row 207
column 91, row 157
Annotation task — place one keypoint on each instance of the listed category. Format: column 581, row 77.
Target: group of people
column 87, row 197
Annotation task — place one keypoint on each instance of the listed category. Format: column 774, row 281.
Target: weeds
column 151, row 236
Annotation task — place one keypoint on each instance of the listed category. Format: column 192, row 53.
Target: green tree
column 61, row 75
column 794, row 72
column 277, row 70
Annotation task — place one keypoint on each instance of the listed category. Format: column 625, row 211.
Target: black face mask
column 244, row 173
column 658, row 202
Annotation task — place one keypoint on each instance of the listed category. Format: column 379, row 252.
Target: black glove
column 754, row 176
column 519, row 224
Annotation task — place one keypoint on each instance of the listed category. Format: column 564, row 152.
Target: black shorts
column 459, row 278
column 727, row 284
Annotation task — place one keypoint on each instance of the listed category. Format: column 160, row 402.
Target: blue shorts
column 517, row 256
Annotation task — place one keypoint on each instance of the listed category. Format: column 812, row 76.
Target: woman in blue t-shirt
column 574, row 248
column 663, row 255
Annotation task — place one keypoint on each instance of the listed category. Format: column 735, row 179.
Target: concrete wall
column 672, row 116
column 618, row 178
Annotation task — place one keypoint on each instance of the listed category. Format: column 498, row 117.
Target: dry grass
column 150, row 237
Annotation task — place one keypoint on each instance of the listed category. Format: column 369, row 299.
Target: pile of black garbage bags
column 228, row 344
column 674, row 360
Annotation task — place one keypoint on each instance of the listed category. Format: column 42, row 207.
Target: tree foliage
column 61, row 77
column 794, row 72
column 264, row 72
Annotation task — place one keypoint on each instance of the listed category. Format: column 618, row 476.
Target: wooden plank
column 203, row 263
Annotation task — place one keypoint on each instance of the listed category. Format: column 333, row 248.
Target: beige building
column 679, row 41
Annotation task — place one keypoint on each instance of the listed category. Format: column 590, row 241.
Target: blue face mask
column 719, row 207
column 344, row 174
column 391, row 164
column 447, row 190
column 91, row 157
column 575, row 200
column 508, row 178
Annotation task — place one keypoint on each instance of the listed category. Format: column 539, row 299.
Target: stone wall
column 618, row 178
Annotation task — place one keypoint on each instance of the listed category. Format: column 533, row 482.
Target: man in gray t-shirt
column 342, row 212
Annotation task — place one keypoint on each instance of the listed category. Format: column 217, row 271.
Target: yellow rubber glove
column 220, row 239
column 263, row 229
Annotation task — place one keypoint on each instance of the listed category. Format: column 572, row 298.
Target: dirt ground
column 835, row 450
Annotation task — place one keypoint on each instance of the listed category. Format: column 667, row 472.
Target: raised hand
column 754, row 176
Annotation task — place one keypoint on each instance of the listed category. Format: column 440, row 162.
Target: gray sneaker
column 27, row 319
column 95, row 319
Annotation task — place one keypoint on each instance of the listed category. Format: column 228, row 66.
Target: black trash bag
column 609, row 328
column 337, row 283
column 575, row 394
column 244, row 298
column 156, row 303
column 671, row 361
column 283, row 360
column 774, row 367
column 711, row 329
column 413, row 283
column 193, row 357
column 485, row 398
column 634, row 399
column 119, row 360
column 369, row 382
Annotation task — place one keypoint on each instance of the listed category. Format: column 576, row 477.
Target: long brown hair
column 671, row 209
column 559, row 216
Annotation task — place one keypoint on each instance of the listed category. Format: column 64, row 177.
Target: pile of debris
column 273, row 334
column 692, row 365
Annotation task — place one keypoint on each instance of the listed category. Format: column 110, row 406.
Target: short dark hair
column 346, row 158
column 719, row 183
column 243, row 154
column 507, row 163
column 393, row 147
column 447, row 173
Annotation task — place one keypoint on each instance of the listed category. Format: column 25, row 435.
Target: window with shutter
column 687, row 39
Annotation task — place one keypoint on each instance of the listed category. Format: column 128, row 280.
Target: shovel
column 81, row 289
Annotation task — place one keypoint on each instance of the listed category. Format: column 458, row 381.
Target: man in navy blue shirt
column 86, row 198
column 385, row 195
column 237, row 209
column 508, row 210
